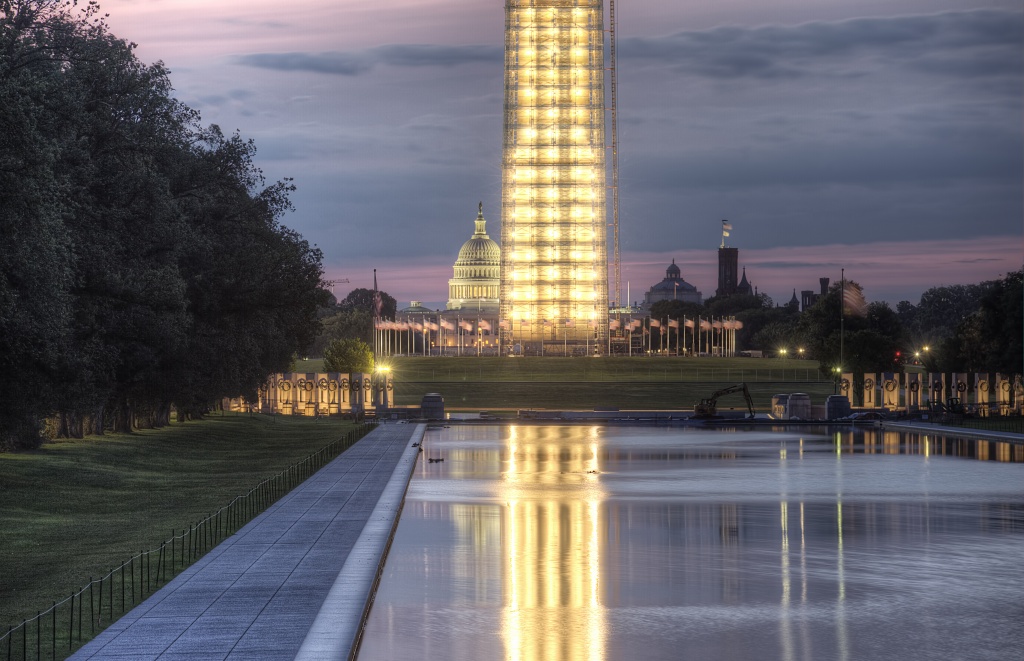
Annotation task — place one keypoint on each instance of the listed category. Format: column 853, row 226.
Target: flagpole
column 842, row 304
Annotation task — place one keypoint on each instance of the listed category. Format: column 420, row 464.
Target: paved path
column 257, row 595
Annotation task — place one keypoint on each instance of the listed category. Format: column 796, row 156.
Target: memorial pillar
column 846, row 387
column 891, row 391
column 913, row 392
column 982, row 394
column 870, row 390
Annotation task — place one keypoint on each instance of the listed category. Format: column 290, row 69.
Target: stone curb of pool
column 337, row 629
column 959, row 432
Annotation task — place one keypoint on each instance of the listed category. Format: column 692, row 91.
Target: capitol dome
column 477, row 272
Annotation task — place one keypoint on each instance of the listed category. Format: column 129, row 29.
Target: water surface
column 577, row 542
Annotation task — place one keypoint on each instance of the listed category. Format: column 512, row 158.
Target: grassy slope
column 77, row 508
column 585, row 383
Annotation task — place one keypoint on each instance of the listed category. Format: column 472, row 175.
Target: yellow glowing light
column 554, row 169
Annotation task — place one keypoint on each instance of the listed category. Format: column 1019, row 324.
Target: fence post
column 92, row 613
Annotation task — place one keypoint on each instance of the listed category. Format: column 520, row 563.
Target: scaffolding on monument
column 554, row 285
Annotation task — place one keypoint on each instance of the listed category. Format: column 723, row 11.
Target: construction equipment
column 708, row 408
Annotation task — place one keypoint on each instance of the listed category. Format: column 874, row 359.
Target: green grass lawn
column 470, row 382
column 75, row 509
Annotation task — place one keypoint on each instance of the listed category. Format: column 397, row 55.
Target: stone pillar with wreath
column 913, row 398
column 891, row 391
column 870, row 390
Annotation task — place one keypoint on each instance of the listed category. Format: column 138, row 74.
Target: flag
column 547, row 322
column 614, row 324
column 378, row 304
column 465, row 325
column 592, row 323
column 725, row 233
column 525, row 323
column 655, row 323
column 503, row 323
column 570, row 323
column 717, row 325
column 484, row 325
column 726, row 226
column 853, row 300
column 705, row 324
column 688, row 323
column 447, row 325
column 673, row 323
column 416, row 326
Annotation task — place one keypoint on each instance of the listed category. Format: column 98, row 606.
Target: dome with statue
column 477, row 272
column 672, row 288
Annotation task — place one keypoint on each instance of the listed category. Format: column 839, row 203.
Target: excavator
column 708, row 408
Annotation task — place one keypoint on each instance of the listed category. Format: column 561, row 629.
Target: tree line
column 978, row 327
column 143, row 263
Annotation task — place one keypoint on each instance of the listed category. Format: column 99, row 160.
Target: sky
column 880, row 138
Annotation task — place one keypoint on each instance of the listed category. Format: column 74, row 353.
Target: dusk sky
column 879, row 136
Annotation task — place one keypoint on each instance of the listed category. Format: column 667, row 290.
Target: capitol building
column 477, row 278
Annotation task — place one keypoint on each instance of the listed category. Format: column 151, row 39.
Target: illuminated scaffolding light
column 554, row 219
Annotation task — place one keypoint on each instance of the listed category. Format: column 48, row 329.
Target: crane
column 708, row 408
column 331, row 283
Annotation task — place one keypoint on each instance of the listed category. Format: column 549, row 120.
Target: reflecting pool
column 559, row 543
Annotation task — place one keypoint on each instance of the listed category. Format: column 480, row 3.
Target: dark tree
column 362, row 299
column 143, row 263
column 852, row 343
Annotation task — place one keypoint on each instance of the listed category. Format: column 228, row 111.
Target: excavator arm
column 709, row 407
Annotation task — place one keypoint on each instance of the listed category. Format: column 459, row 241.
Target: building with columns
column 476, row 280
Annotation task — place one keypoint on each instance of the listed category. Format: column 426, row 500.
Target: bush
column 348, row 355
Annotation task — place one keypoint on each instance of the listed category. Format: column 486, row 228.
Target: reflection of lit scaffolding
column 554, row 275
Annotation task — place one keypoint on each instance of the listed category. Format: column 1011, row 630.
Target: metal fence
column 638, row 374
column 56, row 632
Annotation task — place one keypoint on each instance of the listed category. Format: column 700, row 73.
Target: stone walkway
column 310, row 559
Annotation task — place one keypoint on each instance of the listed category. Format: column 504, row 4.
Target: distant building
column 808, row 298
column 728, row 270
column 477, row 272
column 672, row 288
column 744, row 288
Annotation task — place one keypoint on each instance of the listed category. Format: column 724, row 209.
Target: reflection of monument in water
column 552, row 547
column 554, row 274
